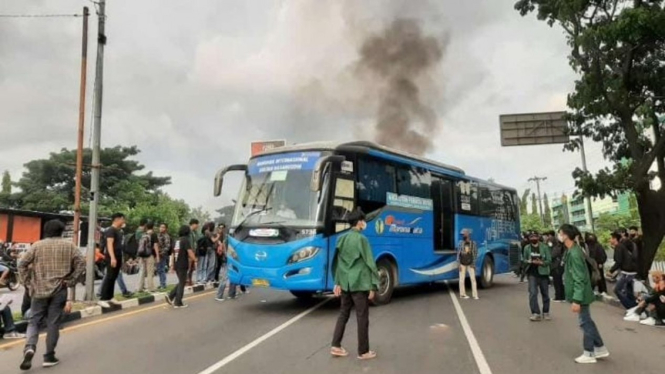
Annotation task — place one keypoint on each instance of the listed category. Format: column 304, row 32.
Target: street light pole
column 540, row 200
column 79, row 149
column 96, row 145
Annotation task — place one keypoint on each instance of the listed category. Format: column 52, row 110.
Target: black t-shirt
column 154, row 239
column 182, row 245
column 116, row 234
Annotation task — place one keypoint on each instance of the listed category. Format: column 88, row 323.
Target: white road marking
column 478, row 355
column 226, row 360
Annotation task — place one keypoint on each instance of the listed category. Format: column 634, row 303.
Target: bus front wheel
column 386, row 282
column 487, row 273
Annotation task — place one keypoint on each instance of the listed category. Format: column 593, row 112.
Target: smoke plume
column 398, row 62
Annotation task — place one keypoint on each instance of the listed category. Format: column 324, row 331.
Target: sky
column 193, row 83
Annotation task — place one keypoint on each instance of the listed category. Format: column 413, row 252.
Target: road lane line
column 107, row 319
column 483, row 366
column 226, row 360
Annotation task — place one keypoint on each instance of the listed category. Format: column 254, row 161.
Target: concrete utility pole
column 589, row 212
column 540, row 200
column 96, row 144
column 79, row 149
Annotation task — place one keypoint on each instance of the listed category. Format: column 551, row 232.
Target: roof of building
column 33, row 213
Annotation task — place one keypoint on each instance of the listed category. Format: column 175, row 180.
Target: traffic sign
column 533, row 129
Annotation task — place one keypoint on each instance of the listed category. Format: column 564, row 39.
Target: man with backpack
column 467, row 254
column 538, row 258
column 625, row 261
column 148, row 255
column 578, row 280
column 597, row 252
column 164, row 247
column 113, row 251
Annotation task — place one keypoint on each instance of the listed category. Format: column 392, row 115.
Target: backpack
column 145, row 250
column 466, row 258
column 592, row 265
column 202, row 246
column 131, row 246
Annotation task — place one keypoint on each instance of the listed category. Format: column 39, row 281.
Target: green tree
column 617, row 49
column 6, row 183
column 159, row 208
column 200, row 214
column 530, row 222
column 547, row 212
column 534, row 204
column 48, row 184
column 524, row 202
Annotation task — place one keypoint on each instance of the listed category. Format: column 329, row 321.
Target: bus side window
column 375, row 179
column 444, row 225
column 343, row 202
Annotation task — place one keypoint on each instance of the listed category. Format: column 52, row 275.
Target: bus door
column 444, row 215
column 343, row 203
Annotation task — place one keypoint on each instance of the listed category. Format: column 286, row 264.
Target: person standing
column 211, row 242
column 579, row 292
column 356, row 281
column 193, row 240
column 164, row 249
column 558, row 254
column 538, row 258
column 184, row 256
column 51, row 268
column 149, row 255
column 467, row 254
column 221, row 232
column 597, row 252
column 113, row 238
column 626, row 264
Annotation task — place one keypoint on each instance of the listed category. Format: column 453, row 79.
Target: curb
column 97, row 310
column 609, row 300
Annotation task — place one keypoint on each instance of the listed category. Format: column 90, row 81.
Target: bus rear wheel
column 386, row 282
column 303, row 295
column 487, row 273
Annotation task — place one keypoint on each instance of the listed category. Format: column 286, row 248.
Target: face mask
column 561, row 238
column 534, row 241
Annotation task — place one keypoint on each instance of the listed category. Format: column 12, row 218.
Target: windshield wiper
column 242, row 223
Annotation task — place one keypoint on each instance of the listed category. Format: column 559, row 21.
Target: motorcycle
column 12, row 280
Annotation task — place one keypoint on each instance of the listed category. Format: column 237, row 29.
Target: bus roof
column 367, row 147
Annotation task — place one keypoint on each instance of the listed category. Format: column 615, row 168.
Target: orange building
column 25, row 226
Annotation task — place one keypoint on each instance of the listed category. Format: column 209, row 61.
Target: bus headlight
column 303, row 254
column 230, row 251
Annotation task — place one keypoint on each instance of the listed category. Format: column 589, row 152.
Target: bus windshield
column 277, row 191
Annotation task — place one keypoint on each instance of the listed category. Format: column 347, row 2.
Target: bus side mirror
column 315, row 184
column 219, row 177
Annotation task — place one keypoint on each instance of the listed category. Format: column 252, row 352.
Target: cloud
column 193, row 83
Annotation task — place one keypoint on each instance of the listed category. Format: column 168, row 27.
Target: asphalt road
column 419, row 332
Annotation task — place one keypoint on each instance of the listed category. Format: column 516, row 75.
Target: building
column 24, row 227
column 573, row 210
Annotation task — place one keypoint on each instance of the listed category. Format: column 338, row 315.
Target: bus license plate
column 260, row 283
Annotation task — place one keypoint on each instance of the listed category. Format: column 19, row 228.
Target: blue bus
column 294, row 200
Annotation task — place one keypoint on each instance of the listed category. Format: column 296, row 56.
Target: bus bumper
column 306, row 276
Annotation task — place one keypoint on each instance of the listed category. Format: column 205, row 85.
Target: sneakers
column 50, row 361
column 220, row 299
column 547, row 317
column 535, row 318
column 104, row 304
column 463, row 297
column 476, row 298
column 632, row 310
column 601, row 352
column 559, row 301
column 649, row 322
column 586, row 358
column 183, row 306
column 14, row 335
column 168, row 300
column 632, row 318
column 28, row 354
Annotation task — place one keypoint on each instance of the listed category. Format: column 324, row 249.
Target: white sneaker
column 586, row 358
column 632, row 318
column 464, row 297
column 604, row 294
column 631, row 310
column 601, row 352
column 114, row 301
column 104, row 304
column 16, row 335
column 649, row 322
column 476, row 298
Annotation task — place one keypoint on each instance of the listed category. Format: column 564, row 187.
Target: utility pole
column 540, row 200
column 96, row 144
column 79, row 149
column 589, row 212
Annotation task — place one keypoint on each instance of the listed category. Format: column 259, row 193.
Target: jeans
column 624, row 290
column 462, row 280
column 222, row 282
column 49, row 310
column 361, row 301
column 557, row 279
column 162, row 268
column 7, row 319
column 592, row 337
column 178, row 292
column 121, row 284
column 147, row 274
column 108, row 284
column 211, row 265
column 201, row 269
column 539, row 283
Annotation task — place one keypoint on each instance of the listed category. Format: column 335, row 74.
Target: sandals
column 367, row 356
column 338, row 352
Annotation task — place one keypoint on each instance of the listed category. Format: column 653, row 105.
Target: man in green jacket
column 537, row 259
column 356, row 280
column 579, row 292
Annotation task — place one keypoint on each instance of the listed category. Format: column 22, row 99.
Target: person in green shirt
column 356, row 281
column 579, row 292
column 537, row 259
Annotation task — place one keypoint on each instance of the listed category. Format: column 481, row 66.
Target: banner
column 259, row 147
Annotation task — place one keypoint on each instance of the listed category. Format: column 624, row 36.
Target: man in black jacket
column 597, row 252
column 625, row 262
column 558, row 253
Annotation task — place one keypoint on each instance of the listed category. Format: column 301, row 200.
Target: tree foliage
column 159, row 208
column 547, row 214
column 531, row 222
column 534, row 204
column 48, row 184
column 524, row 201
column 617, row 47
column 6, row 183
column 201, row 214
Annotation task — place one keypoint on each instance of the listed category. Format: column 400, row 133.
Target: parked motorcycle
column 12, row 279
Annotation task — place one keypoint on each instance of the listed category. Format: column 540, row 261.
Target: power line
column 40, row 15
